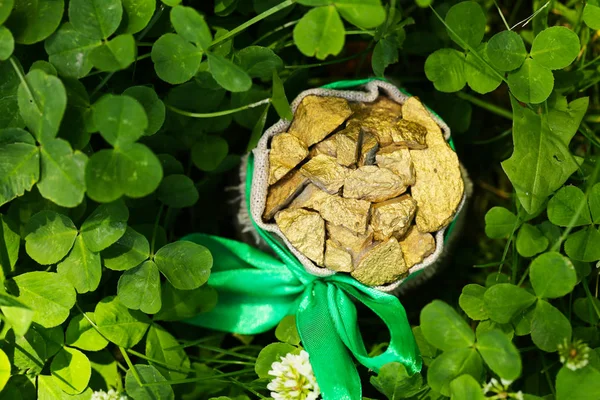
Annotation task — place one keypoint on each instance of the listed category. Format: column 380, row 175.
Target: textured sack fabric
column 367, row 93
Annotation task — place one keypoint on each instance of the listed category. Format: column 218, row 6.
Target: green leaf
column 17, row 314
column 7, row 43
column 489, row 325
column 81, row 334
column 465, row 387
column 585, row 308
column 49, row 237
column 549, row 327
column 395, row 383
column 230, row 76
column 270, row 354
column 531, row 241
column 164, row 348
column 129, row 251
column 563, row 206
column 42, row 103
column 506, row 51
column 209, row 152
column 500, row 354
column 564, row 118
column 581, row 384
column 541, row 162
column 137, row 14
column 591, row 15
column 48, row 389
column 96, row 19
column 480, row 76
column 4, row 369
column 504, row 300
column 153, row 106
column 428, row 352
column 555, row 48
column 191, row 26
column 114, row 55
column 499, row 223
column 6, row 7
column 384, row 54
column 62, row 179
column 466, row 24
column 27, row 353
column 10, row 242
column 139, row 288
column 71, row 370
column 120, row 325
column 105, row 225
column 583, row 245
column 279, row 100
column 446, row 69
column 131, row 170
column 147, row 374
column 320, row 32
column 224, row 8
column 552, row 275
column 522, row 322
column 81, row 267
column 593, row 202
column 287, row 332
column 44, row 66
column 531, row 83
column 362, row 13
column 471, row 301
column 182, row 304
column 175, row 60
column 49, row 295
column 33, row 21
column 121, row 120
column 259, row 62
column 452, row 364
column 178, row 191
column 69, row 51
column 186, row 265
column 20, row 167
column 444, row 328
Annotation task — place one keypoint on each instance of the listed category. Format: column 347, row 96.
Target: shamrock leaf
column 320, row 32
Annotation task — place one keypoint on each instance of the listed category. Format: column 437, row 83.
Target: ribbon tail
column 332, row 364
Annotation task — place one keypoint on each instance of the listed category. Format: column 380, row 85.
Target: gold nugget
column 327, row 147
column 381, row 264
column 324, row 172
column 416, row 246
column 398, row 161
column 410, row 134
column 316, row 117
column 350, row 213
column 336, row 258
column 439, row 187
column 373, row 184
column 311, row 197
column 379, row 119
column 283, row 192
column 348, row 145
column 368, row 148
column 353, row 242
column 287, row 151
column 393, row 217
column 305, row 230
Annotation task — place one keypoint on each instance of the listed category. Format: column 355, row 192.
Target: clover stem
column 155, row 229
column 218, row 113
column 501, row 15
column 252, row 21
column 502, row 112
column 131, row 366
column 22, row 78
column 200, row 379
column 161, row 363
column 278, row 29
column 352, row 57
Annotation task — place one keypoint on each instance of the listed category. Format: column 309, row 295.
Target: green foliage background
column 121, row 121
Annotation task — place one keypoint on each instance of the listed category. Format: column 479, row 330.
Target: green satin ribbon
column 256, row 290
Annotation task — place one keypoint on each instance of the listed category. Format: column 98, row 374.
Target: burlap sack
column 368, row 93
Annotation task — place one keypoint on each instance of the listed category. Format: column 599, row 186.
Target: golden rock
column 350, row 213
column 399, row 161
column 439, row 186
column 327, row 147
column 305, row 230
column 393, row 217
column 311, row 197
column 353, row 242
column 379, row 119
column 381, row 264
column 336, row 258
column 286, row 152
column 373, row 184
column 283, row 192
column 324, row 172
column 316, row 117
column 416, row 246
column 368, row 149
column 410, row 134
column 348, row 145
column 385, row 103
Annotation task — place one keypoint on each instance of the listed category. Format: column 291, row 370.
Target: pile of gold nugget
column 360, row 187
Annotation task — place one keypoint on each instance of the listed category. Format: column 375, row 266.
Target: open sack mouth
column 359, row 182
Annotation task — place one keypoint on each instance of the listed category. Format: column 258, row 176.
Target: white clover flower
column 294, row 378
column 110, row 395
column 574, row 355
column 499, row 389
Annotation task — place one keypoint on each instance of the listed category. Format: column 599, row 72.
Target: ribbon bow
column 256, row 290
